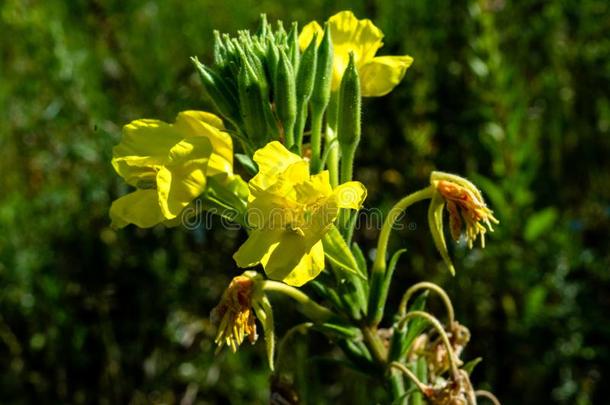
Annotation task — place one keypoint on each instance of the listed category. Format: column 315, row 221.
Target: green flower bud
column 285, row 97
column 348, row 118
column 293, row 45
column 263, row 28
column 273, row 57
column 220, row 52
column 280, row 34
column 252, row 102
column 221, row 94
column 323, row 79
column 304, row 86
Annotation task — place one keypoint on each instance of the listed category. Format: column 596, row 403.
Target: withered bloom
column 466, row 208
column 234, row 314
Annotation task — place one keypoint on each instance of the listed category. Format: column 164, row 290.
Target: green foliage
column 517, row 91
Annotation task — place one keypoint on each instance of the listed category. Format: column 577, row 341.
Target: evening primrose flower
column 169, row 165
column 466, row 209
column 378, row 74
column 290, row 211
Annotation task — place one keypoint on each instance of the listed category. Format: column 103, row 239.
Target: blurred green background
column 513, row 94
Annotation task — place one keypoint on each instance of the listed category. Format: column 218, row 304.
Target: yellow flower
column 378, row 74
column 168, row 164
column 290, row 211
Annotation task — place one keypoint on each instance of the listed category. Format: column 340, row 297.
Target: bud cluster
column 262, row 83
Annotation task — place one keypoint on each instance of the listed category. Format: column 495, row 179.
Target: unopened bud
column 285, row 97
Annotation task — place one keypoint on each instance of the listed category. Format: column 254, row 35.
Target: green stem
column 316, row 139
column 311, row 309
column 408, row 373
column 378, row 272
column 379, row 352
column 402, row 308
column 347, row 163
column 397, row 388
column 332, row 163
column 289, row 134
column 393, row 215
column 299, row 126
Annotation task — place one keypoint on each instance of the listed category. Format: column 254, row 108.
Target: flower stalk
column 379, row 290
column 311, row 309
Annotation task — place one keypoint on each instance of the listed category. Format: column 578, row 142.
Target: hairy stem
column 402, row 309
column 311, row 309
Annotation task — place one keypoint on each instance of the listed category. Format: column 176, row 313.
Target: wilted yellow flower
column 168, row 164
column 378, row 74
column 290, row 211
column 234, row 315
column 242, row 303
column 466, row 208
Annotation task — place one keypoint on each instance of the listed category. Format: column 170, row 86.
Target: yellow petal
column 308, row 268
column 270, row 211
column 286, row 255
column 273, row 160
column 382, row 74
column 318, row 186
column 140, row 208
column 201, row 123
column 183, row 179
column 307, row 33
column 257, row 247
column 352, row 35
column 144, row 145
column 350, row 195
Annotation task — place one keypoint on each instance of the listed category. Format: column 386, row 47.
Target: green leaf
column 379, row 295
column 469, row 367
column 344, row 331
column 392, row 265
column 359, row 256
column 264, row 313
column 339, row 254
column 247, row 163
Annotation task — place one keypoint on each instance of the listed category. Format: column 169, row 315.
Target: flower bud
column 293, row 46
column 323, row 78
column 221, row 94
column 285, row 97
column 252, row 102
column 304, row 84
column 220, row 52
column 348, row 119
